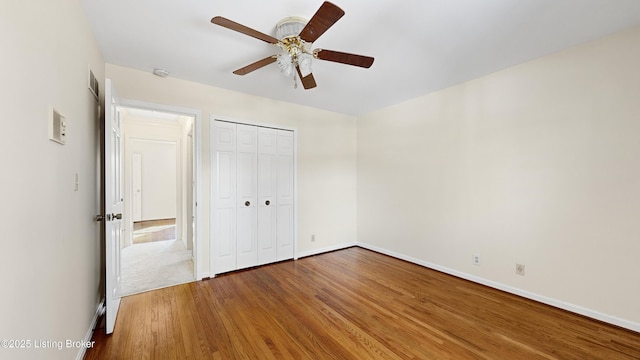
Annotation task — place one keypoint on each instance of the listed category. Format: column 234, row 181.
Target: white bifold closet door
column 246, row 195
column 253, row 215
column 267, row 190
column 285, row 195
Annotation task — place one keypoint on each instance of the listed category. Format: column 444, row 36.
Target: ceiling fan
column 296, row 36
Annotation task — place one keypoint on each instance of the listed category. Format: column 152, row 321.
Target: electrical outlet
column 476, row 259
column 520, row 269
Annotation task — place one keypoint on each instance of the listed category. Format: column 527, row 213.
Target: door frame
column 197, row 165
column 212, row 119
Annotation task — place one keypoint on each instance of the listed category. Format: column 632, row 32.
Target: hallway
column 155, row 264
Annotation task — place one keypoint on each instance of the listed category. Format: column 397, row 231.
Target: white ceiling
column 420, row 46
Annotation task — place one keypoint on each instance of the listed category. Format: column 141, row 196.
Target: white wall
column 159, row 171
column 538, row 164
column 50, row 255
column 161, row 145
column 326, row 152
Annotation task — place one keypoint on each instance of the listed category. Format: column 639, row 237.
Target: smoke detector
column 160, row 72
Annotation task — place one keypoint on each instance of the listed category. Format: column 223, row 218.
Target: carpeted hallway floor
column 154, row 265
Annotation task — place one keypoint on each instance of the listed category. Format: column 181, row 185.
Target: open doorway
column 157, row 249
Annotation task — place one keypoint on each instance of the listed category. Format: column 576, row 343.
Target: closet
column 252, row 195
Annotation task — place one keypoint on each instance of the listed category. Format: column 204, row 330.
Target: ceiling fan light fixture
column 295, row 52
column 296, row 36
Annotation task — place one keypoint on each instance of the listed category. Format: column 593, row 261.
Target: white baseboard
column 87, row 338
column 523, row 293
column 325, row 249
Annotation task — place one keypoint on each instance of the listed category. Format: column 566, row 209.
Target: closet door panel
column 246, row 187
column 285, row 195
column 267, row 178
column 224, row 195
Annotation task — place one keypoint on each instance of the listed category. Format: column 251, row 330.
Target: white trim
column 506, row 288
column 326, row 249
column 212, row 203
column 197, row 139
column 295, row 194
column 144, row 105
column 199, row 239
column 87, row 338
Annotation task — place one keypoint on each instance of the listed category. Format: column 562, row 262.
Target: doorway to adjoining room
column 158, row 240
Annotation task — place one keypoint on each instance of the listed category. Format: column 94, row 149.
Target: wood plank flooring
column 351, row 304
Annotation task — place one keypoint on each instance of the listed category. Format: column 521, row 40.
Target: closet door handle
column 267, row 202
column 247, row 203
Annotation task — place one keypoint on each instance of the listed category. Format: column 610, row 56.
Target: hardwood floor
column 351, row 304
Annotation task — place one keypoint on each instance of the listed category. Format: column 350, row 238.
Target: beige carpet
column 155, row 265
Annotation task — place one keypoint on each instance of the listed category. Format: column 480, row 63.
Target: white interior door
column 113, row 204
column 224, row 197
column 247, row 197
column 267, row 180
column 285, row 195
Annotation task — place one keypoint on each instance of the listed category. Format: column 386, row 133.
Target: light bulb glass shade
column 304, row 61
column 285, row 64
column 291, row 26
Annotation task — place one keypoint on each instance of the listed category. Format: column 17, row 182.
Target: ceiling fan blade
column 322, row 20
column 344, row 58
column 308, row 82
column 232, row 25
column 256, row 65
